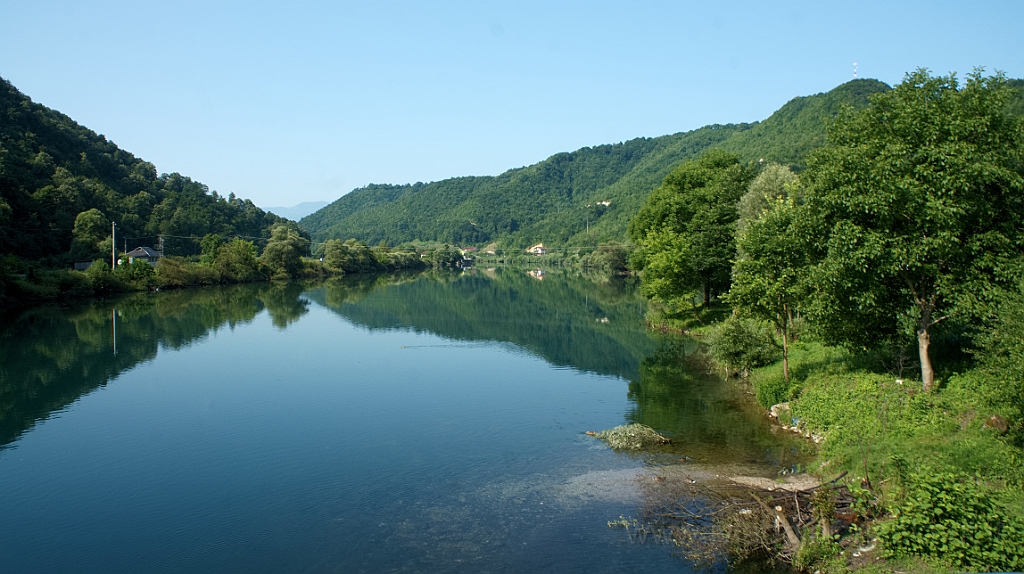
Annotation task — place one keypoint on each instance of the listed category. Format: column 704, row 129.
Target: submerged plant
column 632, row 437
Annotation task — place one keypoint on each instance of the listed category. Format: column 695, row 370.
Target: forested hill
column 575, row 198
column 57, row 176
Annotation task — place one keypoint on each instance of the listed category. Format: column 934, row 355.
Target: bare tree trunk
column 785, row 354
column 924, row 339
column 927, row 374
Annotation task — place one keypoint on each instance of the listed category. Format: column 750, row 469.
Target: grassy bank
column 939, row 476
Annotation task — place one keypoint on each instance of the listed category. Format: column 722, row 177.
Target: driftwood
column 715, row 519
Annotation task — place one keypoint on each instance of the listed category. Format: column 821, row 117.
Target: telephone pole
column 113, row 247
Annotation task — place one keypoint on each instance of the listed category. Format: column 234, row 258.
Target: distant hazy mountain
column 576, row 198
column 297, row 212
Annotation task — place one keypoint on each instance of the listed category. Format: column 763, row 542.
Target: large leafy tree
column 768, row 276
column 685, row 231
column 920, row 201
column 284, row 250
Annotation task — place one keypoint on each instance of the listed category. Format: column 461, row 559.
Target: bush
column 176, row 272
column 103, row 278
column 138, row 273
column 740, row 344
column 957, row 519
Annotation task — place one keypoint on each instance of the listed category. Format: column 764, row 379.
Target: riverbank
column 937, row 476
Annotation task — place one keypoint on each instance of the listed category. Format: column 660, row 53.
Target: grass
column 876, row 422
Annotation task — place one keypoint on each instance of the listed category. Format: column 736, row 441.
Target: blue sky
column 301, row 101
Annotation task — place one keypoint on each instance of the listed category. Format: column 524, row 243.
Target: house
column 538, row 249
column 146, row 254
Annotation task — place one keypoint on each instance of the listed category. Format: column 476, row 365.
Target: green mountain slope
column 575, row 198
column 53, row 169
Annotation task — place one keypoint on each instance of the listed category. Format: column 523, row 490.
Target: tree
column 209, row 245
column 90, row 231
column 444, row 256
column 284, row 251
column 684, row 233
column 236, row 260
column 773, row 182
column 769, row 270
column 920, row 202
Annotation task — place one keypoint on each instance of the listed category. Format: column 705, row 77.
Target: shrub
column 740, row 344
column 955, row 518
column 103, row 278
column 138, row 273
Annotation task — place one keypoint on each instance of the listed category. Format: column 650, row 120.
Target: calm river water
column 430, row 423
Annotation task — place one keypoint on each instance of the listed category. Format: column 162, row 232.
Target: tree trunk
column 785, row 354
column 927, row 374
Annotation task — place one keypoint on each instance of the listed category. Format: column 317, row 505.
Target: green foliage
column 999, row 382
column 685, row 231
column 61, row 185
column 103, row 279
column 868, row 418
column 610, row 258
column 957, row 519
column 139, row 274
column 177, row 272
column 209, row 245
column 237, row 261
column 91, row 228
column 349, row 257
column 284, row 251
column 917, row 203
column 772, row 184
column 559, row 201
column 444, row 257
column 739, row 344
column 769, row 275
column 822, row 555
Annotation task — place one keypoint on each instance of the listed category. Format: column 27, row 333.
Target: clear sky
column 284, row 102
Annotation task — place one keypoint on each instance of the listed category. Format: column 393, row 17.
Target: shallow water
column 389, row 424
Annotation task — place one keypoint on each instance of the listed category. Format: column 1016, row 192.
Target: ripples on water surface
column 401, row 424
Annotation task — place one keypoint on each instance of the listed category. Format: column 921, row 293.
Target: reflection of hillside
column 569, row 321
column 49, row 357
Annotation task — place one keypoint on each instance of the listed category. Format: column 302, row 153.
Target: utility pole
column 113, row 247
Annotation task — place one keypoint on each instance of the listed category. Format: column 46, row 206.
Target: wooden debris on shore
column 709, row 522
column 631, row 437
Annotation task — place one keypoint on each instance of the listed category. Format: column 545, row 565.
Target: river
column 411, row 423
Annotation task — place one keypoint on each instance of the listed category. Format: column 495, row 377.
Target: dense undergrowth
column 940, row 474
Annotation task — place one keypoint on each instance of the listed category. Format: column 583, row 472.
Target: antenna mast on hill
column 855, row 69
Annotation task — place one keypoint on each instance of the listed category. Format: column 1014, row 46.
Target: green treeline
column 896, row 254
column 584, row 197
column 62, row 184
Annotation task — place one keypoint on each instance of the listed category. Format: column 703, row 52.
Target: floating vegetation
column 631, row 437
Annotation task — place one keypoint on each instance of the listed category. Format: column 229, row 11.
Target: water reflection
column 50, row 356
column 312, row 436
column 710, row 422
column 569, row 321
